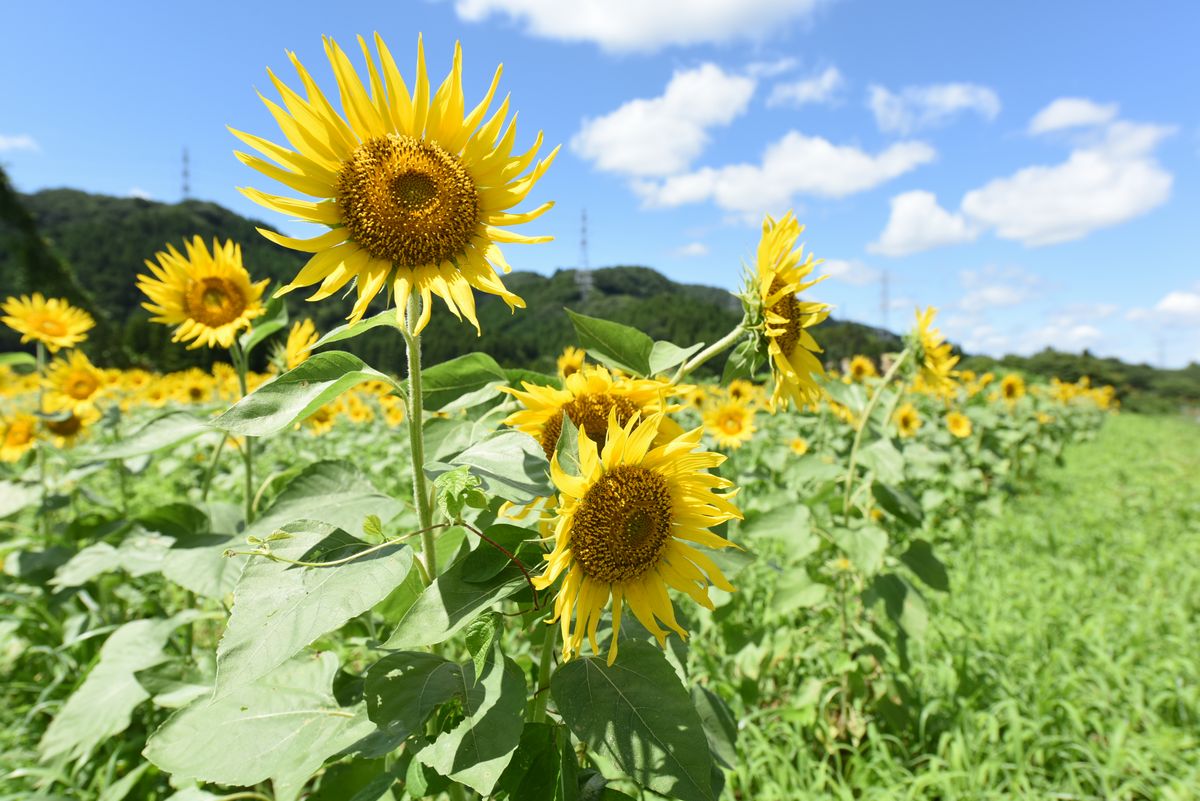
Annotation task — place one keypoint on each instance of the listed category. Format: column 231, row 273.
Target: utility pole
column 187, row 189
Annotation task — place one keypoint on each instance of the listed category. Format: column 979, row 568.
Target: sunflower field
column 639, row 578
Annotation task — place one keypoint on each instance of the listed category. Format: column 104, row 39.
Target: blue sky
column 1032, row 169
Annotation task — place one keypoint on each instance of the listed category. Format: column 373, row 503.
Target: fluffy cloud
column 918, row 223
column 1109, row 179
column 642, row 25
column 1072, row 112
column 918, row 107
column 662, row 135
column 816, row 89
column 1098, row 186
column 1180, row 307
column 11, row 143
column 795, row 165
column 692, row 249
column 138, row 192
column 854, row 273
column 996, row 288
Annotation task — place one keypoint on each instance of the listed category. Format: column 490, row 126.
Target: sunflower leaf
column 351, row 330
column 665, row 355
column 613, row 344
column 461, row 382
column 166, row 430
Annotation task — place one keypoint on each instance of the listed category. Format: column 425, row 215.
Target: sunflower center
column 195, row 393
column 731, row 425
column 65, row 428
column 51, row 327
column 408, row 202
column 788, row 308
column 589, row 413
column 80, row 386
column 19, row 433
column 214, row 301
column 623, row 524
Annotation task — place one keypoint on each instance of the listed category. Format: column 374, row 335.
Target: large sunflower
column 781, row 268
column 208, row 297
column 73, row 380
column 589, row 396
column 937, row 361
column 626, row 529
column 413, row 187
column 54, row 322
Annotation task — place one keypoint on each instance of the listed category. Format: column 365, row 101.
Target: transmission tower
column 187, row 189
column 884, row 303
column 583, row 276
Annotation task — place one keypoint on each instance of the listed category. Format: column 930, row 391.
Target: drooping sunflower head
column 300, row 340
column 1012, row 388
column 730, row 423
column 589, row 397
column 571, row 361
column 935, row 357
column 861, row 368
column 54, row 322
column 208, row 297
column 18, row 432
column 627, row 528
column 908, row 420
column 782, row 319
column 73, row 379
column 958, row 424
column 415, row 188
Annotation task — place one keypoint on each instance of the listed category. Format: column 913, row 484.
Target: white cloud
column 1100, row 185
column 854, row 273
column 815, row 89
column 1064, row 332
column 918, row 107
column 795, row 165
column 15, row 142
column 771, row 69
column 918, row 223
column 996, row 288
column 644, row 24
column 1180, row 307
column 138, row 192
column 1072, row 112
column 692, row 249
column 662, row 135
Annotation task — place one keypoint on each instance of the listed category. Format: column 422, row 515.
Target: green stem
column 212, row 467
column 239, row 362
column 862, row 425
column 416, row 437
column 44, row 517
column 700, row 358
column 538, row 713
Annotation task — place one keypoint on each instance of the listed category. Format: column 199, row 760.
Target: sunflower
column 65, row 423
column 799, row 445
column 861, row 368
column 208, row 297
column 780, row 273
column 571, row 361
column 73, row 380
column 936, row 360
column 413, row 188
column 54, row 322
column 908, row 420
column 624, row 529
column 17, row 434
column 696, row 397
column 299, row 342
column 1044, row 419
column 1012, row 388
column 588, row 398
column 730, row 423
column 193, row 386
column 742, row 391
column 958, row 424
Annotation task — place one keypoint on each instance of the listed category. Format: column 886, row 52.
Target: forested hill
column 90, row 248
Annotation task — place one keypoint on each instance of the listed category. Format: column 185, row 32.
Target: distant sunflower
column 73, row 379
column 958, row 424
column 208, row 297
column 54, row 322
column 730, row 424
column 937, row 360
column 66, row 423
column 299, row 342
column 588, row 397
column 571, row 361
column 742, row 391
column 413, row 189
column 799, row 445
column 780, row 272
column 908, row 420
column 193, row 386
column 17, row 435
column 861, row 368
column 626, row 527
column 1012, row 388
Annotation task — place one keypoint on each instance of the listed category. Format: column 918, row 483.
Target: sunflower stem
column 239, row 363
column 538, row 712
column 862, row 425
column 712, row 350
column 212, row 468
column 44, row 517
column 416, row 436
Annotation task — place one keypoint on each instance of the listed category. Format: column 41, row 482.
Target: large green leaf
column 281, row 727
column 103, row 705
column 403, row 688
column 919, row 558
column 478, row 749
column 17, row 359
column 333, row 492
column 666, row 355
column 15, row 496
column 864, row 546
column 637, row 713
column 298, row 393
column 897, row 503
column 462, row 382
column 544, row 766
column 279, row 608
column 613, row 344
column 511, row 464
column 164, row 431
column 351, row 330
column 882, row 458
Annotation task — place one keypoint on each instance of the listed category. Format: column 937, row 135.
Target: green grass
column 1065, row 661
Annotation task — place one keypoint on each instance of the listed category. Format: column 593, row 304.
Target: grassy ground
column 1065, row 661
